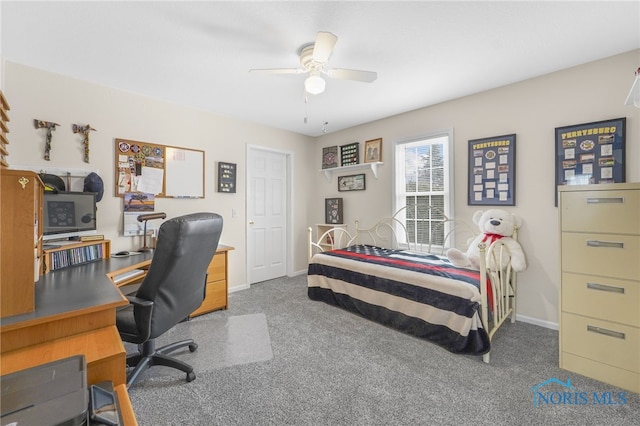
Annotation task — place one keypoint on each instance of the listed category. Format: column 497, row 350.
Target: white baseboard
column 238, row 288
column 248, row 286
column 536, row 321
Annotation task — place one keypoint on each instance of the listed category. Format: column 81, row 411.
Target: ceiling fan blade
column 323, row 46
column 357, row 75
column 278, row 71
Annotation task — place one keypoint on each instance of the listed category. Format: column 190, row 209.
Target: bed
column 412, row 287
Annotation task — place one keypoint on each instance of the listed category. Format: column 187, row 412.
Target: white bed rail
column 391, row 232
column 339, row 238
column 496, row 261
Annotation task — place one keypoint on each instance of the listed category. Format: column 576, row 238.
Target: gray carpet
column 330, row 367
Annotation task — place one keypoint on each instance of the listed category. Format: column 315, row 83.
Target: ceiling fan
column 313, row 58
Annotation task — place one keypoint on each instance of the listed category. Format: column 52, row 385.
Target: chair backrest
column 175, row 281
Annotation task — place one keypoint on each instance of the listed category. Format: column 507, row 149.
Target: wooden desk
column 217, row 292
column 74, row 314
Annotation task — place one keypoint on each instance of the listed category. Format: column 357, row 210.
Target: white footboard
column 496, row 272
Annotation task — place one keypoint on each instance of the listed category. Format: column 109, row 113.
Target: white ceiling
column 425, row 52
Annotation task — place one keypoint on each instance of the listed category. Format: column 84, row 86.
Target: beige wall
column 532, row 110
column 36, row 94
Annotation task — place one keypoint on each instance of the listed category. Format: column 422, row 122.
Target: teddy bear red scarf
column 491, row 238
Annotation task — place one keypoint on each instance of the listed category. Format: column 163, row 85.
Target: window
column 424, row 185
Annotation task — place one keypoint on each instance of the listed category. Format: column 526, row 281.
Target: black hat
column 93, row 183
column 52, row 183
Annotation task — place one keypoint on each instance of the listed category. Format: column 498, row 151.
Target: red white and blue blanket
column 420, row 294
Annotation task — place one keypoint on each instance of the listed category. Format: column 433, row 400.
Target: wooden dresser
column 600, row 282
column 217, row 283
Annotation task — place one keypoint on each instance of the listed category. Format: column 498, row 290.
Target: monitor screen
column 68, row 214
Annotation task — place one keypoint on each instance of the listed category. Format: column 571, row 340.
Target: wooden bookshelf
column 4, row 129
column 75, row 253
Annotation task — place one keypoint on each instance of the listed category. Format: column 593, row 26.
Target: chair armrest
column 143, row 309
column 139, row 302
column 146, row 306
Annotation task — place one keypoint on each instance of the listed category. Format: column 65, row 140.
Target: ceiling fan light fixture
column 314, row 84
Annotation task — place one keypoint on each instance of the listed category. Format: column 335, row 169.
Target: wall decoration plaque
column 492, row 171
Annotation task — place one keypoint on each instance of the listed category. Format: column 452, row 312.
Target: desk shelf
column 75, row 254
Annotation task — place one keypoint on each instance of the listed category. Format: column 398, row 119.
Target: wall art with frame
column 492, row 171
column 351, row 183
column 333, row 210
column 373, row 150
column 330, row 157
column 590, row 153
column 226, row 177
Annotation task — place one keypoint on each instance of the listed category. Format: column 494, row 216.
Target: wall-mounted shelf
column 343, row 169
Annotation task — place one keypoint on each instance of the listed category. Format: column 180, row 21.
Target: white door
column 267, row 215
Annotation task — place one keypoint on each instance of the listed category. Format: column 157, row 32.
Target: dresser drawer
column 601, row 211
column 216, row 298
column 217, row 268
column 606, row 342
column 601, row 254
column 600, row 297
column 620, row 377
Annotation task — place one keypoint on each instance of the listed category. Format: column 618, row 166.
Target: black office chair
column 173, row 288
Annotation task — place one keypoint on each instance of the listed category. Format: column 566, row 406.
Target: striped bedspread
column 420, row 294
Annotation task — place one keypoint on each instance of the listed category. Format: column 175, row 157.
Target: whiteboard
column 165, row 171
column 184, row 170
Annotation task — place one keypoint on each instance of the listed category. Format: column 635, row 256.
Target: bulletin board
column 165, row 171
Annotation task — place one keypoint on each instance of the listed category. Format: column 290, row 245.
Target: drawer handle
column 612, row 244
column 616, row 200
column 606, row 332
column 603, row 287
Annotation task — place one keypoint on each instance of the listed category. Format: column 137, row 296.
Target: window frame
column 399, row 184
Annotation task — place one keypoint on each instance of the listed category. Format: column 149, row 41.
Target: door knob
column 250, row 222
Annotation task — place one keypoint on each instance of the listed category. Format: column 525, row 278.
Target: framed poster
column 492, row 171
column 330, row 157
column 351, row 183
column 333, row 210
column 590, row 153
column 226, row 177
column 373, row 151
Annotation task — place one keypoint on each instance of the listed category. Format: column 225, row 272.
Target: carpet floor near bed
column 331, row 367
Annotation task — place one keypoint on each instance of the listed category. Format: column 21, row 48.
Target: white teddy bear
column 494, row 224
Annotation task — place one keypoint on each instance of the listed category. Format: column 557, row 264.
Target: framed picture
column 373, row 151
column 226, row 177
column 333, row 210
column 350, row 154
column 590, row 153
column 492, row 171
column 330, row 157
column 351, row 183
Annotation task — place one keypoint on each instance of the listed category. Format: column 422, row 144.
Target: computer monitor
column 68, row 214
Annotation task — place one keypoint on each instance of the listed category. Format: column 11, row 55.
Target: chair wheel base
column 193, row 347
column 191, row 376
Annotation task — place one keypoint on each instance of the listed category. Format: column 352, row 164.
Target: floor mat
column 222, row 342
